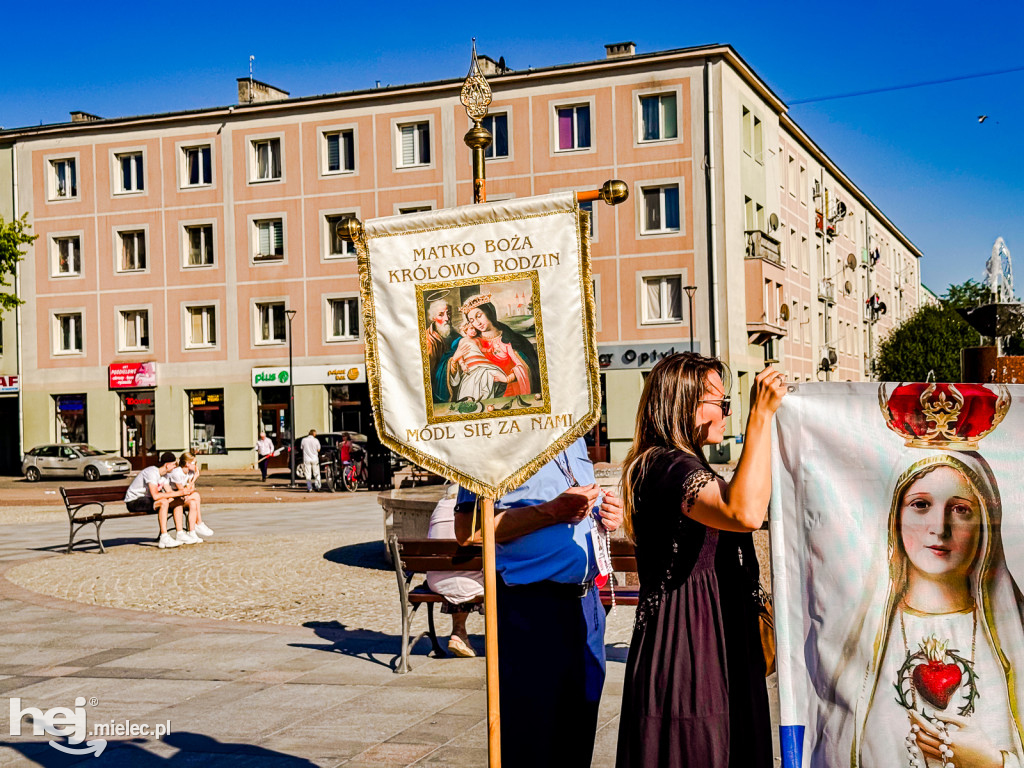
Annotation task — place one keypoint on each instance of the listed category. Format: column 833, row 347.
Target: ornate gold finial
column 476, row 93
column 349, row 229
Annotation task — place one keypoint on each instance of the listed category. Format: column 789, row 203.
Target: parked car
column 72, row 459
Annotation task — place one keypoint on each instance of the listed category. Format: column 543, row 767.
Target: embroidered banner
column 480, row 343
column 897, row 527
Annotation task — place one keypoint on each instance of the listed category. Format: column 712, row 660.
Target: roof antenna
column 251, row 59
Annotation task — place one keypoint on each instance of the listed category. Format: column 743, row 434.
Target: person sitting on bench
column 183, row 478
column 149, row 491
column 461, row 590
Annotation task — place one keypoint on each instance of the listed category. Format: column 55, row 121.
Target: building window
column 134, row 330
column 198, row 171
column 132, row 257
column 662, row 299
column 67, row 255
column 270, row 323
column 206, row 409
column 341, row 151
column 68, row 332
column 573, row 127
column 199, row 242
column 202, row 327
column 803, row 185
column 588, row 206
column 415, row 208
column 658, row 117
column 497, row 125
column 130, row 172
column 661, row 209
column 269, row 240
column 63, row 179
column 71, row 418
column 343, row 318
column 336, row 246
column 267, row 158
column 414, row 141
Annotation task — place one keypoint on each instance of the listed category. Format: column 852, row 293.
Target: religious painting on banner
column 480, row 343
column 897, row 529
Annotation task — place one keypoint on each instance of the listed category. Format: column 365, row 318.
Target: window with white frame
column 268, row 239
column 339, row 151
column 266, row 159
column 202, row 327
column 588, row 206
column 63, row 179
column 271, row 323
column 198, row 166
column 803, row 185
column 573, row 124
column 67, row 255
column 497, row 125
column 199, row 245
column 661, row 208
column 132, row 252
column 415, row 208
column 753, row 140
column 130, row 177
column 791, row 177
column 134, row 330
column 67, row 329
column 658, row 117
column 337, row 247
column 414, row 144
column 343, row 319
column 662, row 299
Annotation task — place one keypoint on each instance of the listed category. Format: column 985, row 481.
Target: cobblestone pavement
column 272, row 644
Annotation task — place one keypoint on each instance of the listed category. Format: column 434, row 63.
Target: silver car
column 72, row 460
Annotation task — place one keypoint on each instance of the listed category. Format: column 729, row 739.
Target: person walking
column 694, row 690
column 311, row 460
column 264, row 450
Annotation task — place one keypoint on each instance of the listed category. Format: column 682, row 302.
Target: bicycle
column 355, row 473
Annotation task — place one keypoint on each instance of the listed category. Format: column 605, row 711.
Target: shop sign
column 132, row 375
column 9, row 384
column 201, row 397
column 344, row 373
column 65, row 403
column 129, row 400
column 627, row 357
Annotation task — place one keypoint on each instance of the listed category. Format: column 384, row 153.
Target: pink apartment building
column 171, row 245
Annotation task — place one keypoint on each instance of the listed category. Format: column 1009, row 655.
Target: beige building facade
column 172, row 246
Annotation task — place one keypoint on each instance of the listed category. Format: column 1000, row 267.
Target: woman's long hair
column 666, row 419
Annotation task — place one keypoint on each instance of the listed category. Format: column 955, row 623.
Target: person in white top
column 183, row 478
column 149, row 491
column 311, row 459
column 264, row 450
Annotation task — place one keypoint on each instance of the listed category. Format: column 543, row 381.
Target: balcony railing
column 827, row 291
column 761, row 245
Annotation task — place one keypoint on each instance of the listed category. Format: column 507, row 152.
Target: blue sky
column 951, row 184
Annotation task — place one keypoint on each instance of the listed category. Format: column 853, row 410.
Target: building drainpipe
column 19, row 363
column 709, row 192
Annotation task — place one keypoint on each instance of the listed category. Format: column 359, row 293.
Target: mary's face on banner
column 939, row 523
column 479, row 320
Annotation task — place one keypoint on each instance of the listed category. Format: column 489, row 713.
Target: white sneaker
column 204, row 530
column 187, row 537
column 167, row 541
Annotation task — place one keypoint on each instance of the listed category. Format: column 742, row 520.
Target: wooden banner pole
column 491, row 633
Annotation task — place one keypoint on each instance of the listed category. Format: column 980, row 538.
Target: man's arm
column 157, row 494
column 570, row 506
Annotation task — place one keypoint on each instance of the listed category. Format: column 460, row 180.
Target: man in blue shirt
column 551, row 663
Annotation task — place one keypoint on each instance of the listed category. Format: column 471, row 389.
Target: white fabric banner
column 480, row 344
column 897, row 530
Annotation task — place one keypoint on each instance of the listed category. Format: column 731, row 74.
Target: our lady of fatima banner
column 897, row 527
column 480, row 344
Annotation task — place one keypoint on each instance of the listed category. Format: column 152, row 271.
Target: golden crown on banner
column 476, row 301
column 939, row 415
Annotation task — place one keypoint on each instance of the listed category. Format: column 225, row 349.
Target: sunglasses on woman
column 725, row 404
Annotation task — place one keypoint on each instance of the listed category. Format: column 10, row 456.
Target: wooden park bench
column 95, row 504
column 412, row 556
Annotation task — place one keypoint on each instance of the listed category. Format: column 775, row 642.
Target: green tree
column 13, row 235
column 968, row 294
column 930, row 340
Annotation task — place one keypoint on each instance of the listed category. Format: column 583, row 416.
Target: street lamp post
column 690, row 290
column 290, row 314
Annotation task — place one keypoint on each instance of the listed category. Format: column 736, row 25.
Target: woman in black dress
column 694, row 693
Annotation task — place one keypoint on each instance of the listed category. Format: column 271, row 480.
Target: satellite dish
column 881, row 308
column 840, row 209
column 773, row 223
column 784, row 312
column 848, row 287
column 832, row 357
column 851, row 262
column 824, row 365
